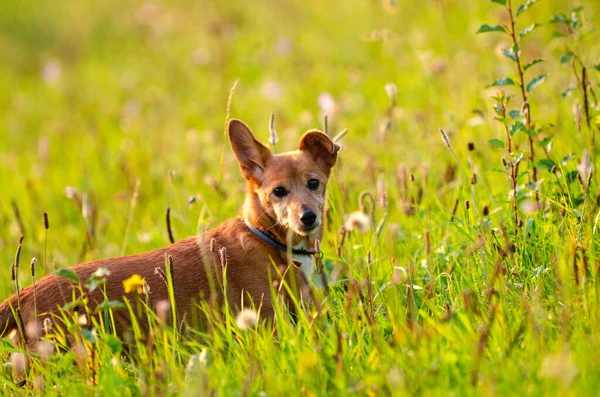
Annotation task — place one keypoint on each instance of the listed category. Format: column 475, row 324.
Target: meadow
column 462, row 230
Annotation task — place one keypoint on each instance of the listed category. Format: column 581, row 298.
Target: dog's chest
column 307, row 264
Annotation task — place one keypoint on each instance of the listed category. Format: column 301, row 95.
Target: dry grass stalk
column 169, row 230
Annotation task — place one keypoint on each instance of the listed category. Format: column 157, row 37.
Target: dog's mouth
column 308, row 230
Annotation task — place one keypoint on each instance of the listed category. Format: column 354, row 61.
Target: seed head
column 317, row 246
column 585, row 167
column 162, row 310
column 17, row 361
column 273, row 139
column 577, row 115
column 246, row 318
column 33, row 262
column 381, row 191
column 392, row 92
column 358, row 221
column 46, row 223
column 33, row 329
column 101, row 272
column 223, row 257
column 47, row 325
column 445, row 138
column 80, row 353
column 486, row 210
column 70, row 192
column 46, row 349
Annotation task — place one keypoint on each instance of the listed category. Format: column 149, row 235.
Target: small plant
column 520, row 120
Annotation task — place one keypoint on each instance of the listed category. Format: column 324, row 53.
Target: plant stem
column 526, row 108
column 513, row 172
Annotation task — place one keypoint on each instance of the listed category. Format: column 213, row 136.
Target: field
column 462, row 239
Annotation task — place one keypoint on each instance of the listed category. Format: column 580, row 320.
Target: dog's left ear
column 252, row 155
column 321, row 148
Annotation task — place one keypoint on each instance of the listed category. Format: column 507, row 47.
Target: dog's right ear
column 252, row 155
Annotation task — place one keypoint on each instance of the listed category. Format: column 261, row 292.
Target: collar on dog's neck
column 273, row 241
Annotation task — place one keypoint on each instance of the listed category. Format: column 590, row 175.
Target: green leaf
column 559, row 18
column 504, row 121
column 597, row 67
column 523, row 7
column 574, row 21
column 528, row 30
column 88, row 335
column 566, row 58
column 497, row 143
column 109, row 305
column 68, row 273
column 536, row 81
column 532, row 132
column 115, row 345
column 567, row 158
column 534, row 62
column 516, row 127
column 566, row 92
column 503, row 2
column 514, row 114
column 491, row 28
column 510, row 54
column 94, row 283
column 74, row 304
column 544, row 142
column 498, row 109
column 501, row 82
column 517, row 157
column 545, row 163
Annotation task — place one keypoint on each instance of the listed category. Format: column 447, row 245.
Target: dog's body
column 284, row 203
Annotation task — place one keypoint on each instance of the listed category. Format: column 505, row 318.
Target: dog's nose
column 308, row 218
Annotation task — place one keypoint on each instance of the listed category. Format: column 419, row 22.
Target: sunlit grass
column 114, row 112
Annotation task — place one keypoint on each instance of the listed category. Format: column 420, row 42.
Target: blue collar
column 274, row 242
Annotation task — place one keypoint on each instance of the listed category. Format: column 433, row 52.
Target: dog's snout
column 308, row 218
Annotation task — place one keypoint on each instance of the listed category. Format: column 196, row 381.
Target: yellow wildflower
column 134, row 283
column 597, row 121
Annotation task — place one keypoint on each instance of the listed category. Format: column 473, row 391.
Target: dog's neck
column 254, row 214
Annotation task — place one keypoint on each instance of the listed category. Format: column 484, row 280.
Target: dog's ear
column 252, row 155
column 321, row 148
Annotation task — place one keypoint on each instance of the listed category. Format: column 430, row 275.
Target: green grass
column 99, row 96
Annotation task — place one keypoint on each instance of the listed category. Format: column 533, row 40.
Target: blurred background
column 114, row 110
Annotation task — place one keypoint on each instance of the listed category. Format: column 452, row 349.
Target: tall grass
column 463, row 265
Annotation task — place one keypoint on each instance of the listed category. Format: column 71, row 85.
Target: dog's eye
column 280, row 192
column 313, row 184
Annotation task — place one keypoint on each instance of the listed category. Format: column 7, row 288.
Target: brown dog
column 282, row 213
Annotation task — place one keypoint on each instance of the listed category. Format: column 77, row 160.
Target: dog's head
column 289, row 187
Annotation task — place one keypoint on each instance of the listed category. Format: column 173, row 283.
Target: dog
column 282, row 214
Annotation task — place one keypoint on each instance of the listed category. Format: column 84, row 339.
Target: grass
column 115, row 111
